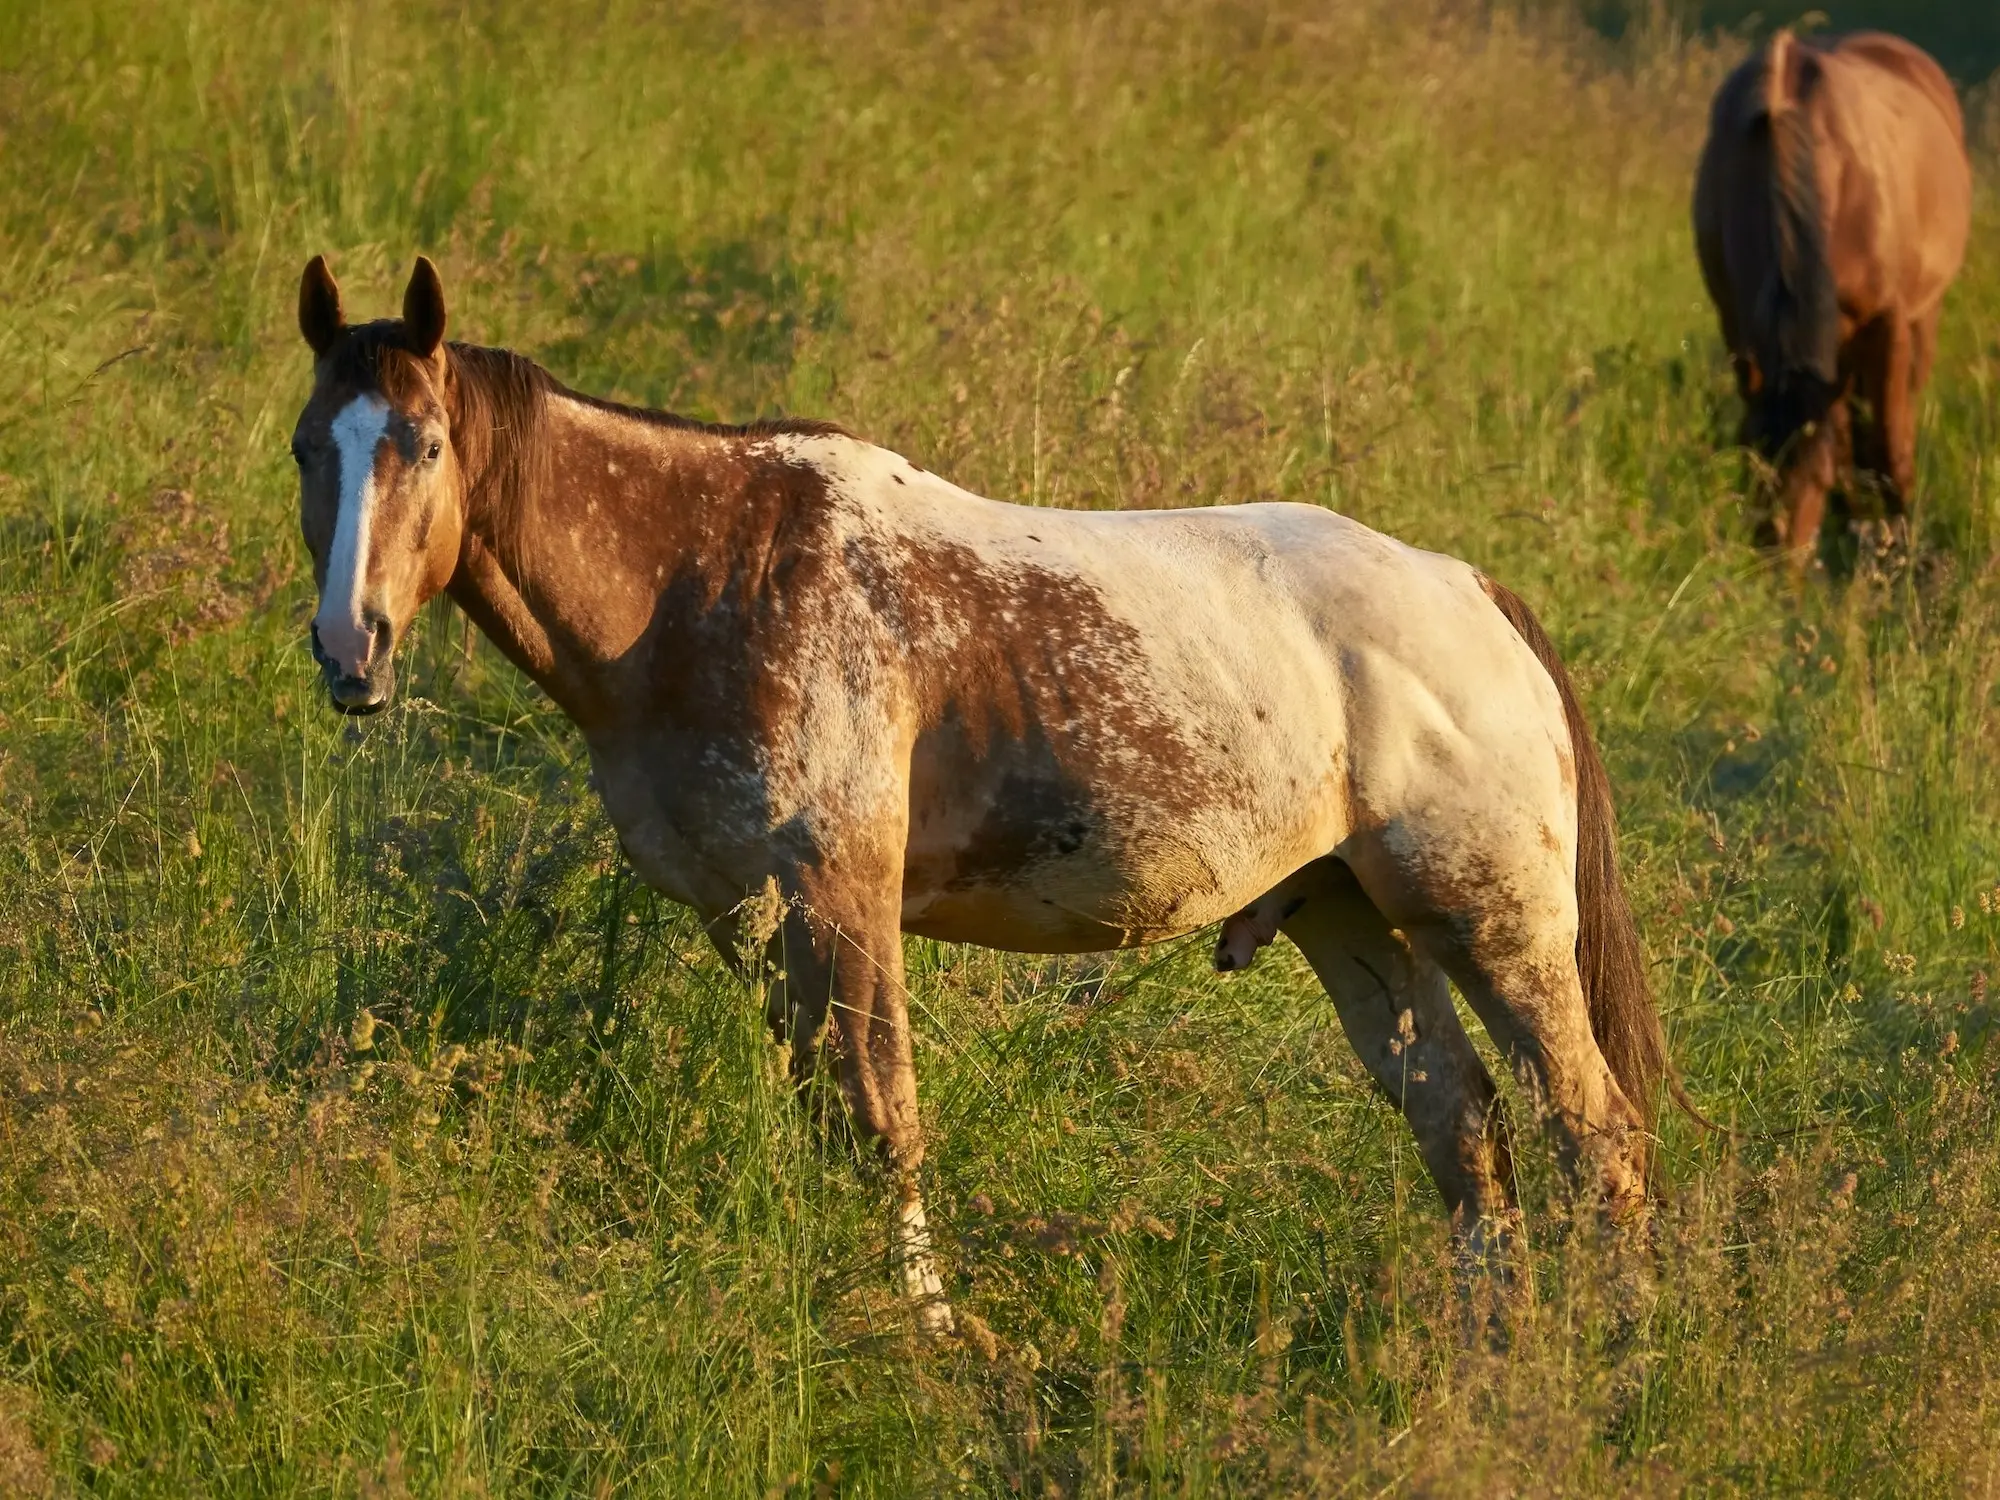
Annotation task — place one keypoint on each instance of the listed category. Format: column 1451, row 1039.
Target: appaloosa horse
column 1831, row 212
column 797, row 657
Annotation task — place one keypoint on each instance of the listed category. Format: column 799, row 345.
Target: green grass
column 557, row 1227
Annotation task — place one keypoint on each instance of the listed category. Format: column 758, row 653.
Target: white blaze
column 343, row 630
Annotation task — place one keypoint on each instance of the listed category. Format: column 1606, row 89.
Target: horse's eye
column 431, row 453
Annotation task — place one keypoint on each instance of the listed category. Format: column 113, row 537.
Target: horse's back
column 1266, row 580
column 1194, row 599
column 1880, row 91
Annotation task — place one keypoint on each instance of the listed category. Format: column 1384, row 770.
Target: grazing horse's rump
column 1831, row 211
column 797, row 658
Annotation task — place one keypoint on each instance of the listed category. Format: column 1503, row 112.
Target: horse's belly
column 1015, row 920
column 1047, row 863
column 1077, row 905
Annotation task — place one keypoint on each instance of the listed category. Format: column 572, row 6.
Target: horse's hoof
column 934, row 1318
column 1488, row 1247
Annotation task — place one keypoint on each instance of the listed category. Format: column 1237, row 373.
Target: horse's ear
column 423, row 310
column 320, row 318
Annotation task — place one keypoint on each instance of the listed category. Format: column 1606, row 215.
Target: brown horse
column 1831, row 211
column 798, row 658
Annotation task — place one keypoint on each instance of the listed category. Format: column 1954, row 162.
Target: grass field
column 365, row 1129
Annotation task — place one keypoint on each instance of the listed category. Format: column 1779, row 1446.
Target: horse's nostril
column 378, row 636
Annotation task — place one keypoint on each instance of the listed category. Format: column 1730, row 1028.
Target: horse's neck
column 570, row 578
column 565, row 577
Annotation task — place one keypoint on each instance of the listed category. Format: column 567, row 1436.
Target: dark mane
column 762, row 427
column 518, row 386
column 499, row 407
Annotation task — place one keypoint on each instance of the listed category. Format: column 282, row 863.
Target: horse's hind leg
column 1922, row 345
column 1520, row 977
column 1396, row 1008
column 1923, row 350
column 1899, row 420
column 1888, row 352
column 1494, row 902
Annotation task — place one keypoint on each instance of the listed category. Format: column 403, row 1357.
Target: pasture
column 367, row 1129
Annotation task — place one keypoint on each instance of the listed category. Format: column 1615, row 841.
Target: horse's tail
column 1609, row 960
column 1797, row 317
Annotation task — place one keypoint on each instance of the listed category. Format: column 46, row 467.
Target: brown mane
column 760, row 427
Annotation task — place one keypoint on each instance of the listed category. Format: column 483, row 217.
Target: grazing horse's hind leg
column 1884, row 358
column 1396, row 1008
column 1898, row 417
column 1923, row 349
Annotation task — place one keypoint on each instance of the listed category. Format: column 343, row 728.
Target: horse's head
column 381, row 497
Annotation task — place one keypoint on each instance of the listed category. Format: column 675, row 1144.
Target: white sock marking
column 921, row 1282
column 343, row 633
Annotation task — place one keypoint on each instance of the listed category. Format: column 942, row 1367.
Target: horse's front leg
column 842, row 954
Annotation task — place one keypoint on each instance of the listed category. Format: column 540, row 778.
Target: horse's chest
column 702, row 839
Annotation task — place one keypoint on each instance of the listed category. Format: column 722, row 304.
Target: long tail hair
column 1609, row 960
column 1796, row 319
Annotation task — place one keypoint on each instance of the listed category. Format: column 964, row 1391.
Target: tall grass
column 366, row 1128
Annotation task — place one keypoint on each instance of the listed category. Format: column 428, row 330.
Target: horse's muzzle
column 357, row 696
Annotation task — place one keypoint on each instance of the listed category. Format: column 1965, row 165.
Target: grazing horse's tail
column 1797, row 313
column 1609, row 960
